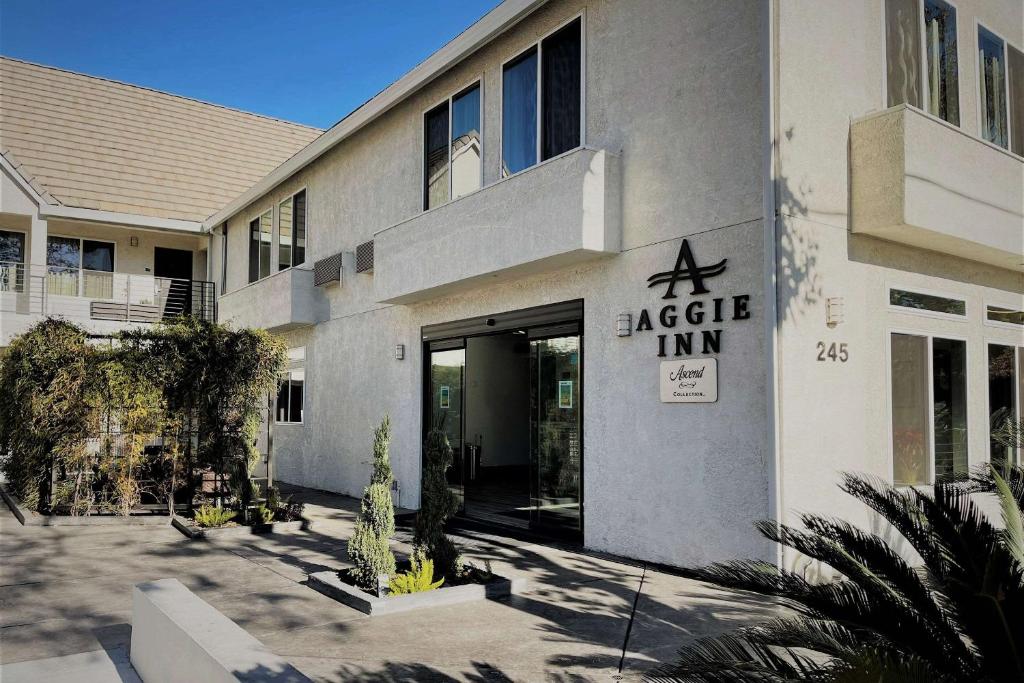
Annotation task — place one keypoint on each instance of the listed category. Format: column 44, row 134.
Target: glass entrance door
column 556, row 439
column 446, row 386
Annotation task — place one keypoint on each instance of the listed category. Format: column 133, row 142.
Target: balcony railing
column 101, row 295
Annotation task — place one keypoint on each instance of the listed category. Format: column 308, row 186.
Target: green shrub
column 210, row 516
column 369, row 549
column 418, row 579
column 264, row 514
column 438, row 504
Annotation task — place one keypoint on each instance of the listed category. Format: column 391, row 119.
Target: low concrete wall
column 177, row 637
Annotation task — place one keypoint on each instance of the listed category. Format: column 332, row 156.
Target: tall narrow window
column 910, row 438
column 992, row 84
column 285, row 226
column 260, row 236
column 435, row 152
column 548, row 75
column 949, row 408
column 929, row 418
column 931, row 83
column 902, row 53
column 560, row 79
column 12, row 261
column 466, row 149
column 1004, row 383
column 1015, row 73
column 299, row 233
column 224, row 258
column 940, row 44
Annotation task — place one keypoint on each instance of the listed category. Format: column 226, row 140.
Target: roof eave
column 494, row 23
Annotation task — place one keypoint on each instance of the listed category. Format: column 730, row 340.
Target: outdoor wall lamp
column 133, row 241
column 624, row 325
column 833, row 311
column 399, row 351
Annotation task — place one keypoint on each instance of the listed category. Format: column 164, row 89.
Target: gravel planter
column 332, row 586
column 32, row 518
column 186, row 527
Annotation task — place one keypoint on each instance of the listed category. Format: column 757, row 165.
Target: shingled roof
column 94, row 143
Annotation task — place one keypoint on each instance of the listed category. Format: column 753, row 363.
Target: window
column 903, row 298
column 224, row 258
column 998, row 314
column 1015, row 73
column 291, row 227
column 260, row 234
column 79, row 267
column 290, row 388
column 452, row 148
column 12, row 261
column 1005, row 392
column 929, row 82
column 992, row 84
column 548, row 77
column 929, row 409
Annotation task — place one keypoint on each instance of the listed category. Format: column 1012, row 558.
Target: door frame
column 458, row 332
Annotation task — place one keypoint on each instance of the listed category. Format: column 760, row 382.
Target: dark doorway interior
column 174, row 289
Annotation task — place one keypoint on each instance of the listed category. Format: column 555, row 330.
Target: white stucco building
column 659, row 269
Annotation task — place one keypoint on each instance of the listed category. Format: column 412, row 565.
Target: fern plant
column 418, row 579
column 961, row 619
column 210, row 516
column 369, row 548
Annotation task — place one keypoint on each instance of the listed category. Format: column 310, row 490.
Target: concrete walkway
column 67, row 591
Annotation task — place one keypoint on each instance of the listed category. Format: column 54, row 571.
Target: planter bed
column 331, row 585
column 32, row 518
column 187, row 527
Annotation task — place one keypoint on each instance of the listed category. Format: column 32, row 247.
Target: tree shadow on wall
column 796, row 257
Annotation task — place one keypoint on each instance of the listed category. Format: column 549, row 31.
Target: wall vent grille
column 364, row 257
column 327, row 270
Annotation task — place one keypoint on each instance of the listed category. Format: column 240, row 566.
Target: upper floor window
column 933, row 303
column 291, row 228
column 452, row 148
column 921, row 57
column 260, row 235
column 1001, row 91
column 542, row 100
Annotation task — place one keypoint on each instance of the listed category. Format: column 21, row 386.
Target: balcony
column 917, row 180
column 558, row 213
column 102, row 302
column 280, row 302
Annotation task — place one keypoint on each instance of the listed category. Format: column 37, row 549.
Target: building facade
column 657, row 269
column 103, row 190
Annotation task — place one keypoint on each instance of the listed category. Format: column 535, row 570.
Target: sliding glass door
column 446, row 387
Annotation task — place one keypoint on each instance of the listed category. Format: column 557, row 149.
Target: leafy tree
column 438, row 504
column 369, row 548
column 959, row 618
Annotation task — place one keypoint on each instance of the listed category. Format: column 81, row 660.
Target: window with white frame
column 922, row 65
column 261, row 230
column 1006, row 316
column 79, row 267
column 930, row 303
column 542, row 100
column 291, row 389
column 1001, row 91
column 928, row 384
column 291, row 231
column 452, row 148
column 12, row 261
column 1005, row 393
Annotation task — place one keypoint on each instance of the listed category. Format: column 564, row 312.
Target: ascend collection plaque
column 694, row 380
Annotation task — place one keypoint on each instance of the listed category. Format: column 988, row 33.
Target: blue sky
column 312, row 61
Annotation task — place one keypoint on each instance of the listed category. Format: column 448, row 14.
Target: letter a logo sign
column 691, row 272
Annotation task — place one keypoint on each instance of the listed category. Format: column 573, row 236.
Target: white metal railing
column 101, row 295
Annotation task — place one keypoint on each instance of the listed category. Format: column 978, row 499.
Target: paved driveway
column 67, row 590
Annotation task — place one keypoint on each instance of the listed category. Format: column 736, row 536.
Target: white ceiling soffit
column 494, row 23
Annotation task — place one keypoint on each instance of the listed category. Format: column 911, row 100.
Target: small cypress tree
column 438, row 504
column 369, row 549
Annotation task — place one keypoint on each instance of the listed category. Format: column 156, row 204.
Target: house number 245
column 833, row 352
